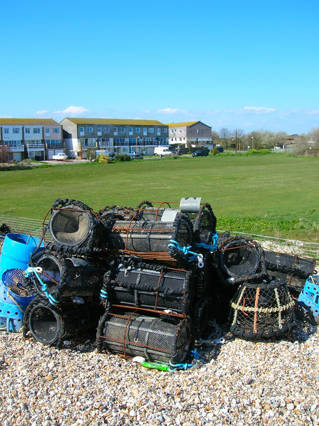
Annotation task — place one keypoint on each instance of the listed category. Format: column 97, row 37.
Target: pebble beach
column 244, row 383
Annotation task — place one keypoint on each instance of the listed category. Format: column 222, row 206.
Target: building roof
column 118, row 121
column 30, row 121
column 183, row 124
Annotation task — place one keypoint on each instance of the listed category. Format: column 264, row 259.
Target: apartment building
column 34, row 138
column 111, row 135
column 190, row 134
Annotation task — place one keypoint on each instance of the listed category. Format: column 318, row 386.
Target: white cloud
column 169, row 110
column 314, row 112
column 259, row 110
column 41, row 112
column 73, row 110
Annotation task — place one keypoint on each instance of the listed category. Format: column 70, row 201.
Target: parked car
column 137, row 156
column 200, row 153
column 60, row 156
column 162, row 151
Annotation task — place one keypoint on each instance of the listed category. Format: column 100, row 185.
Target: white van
column 162, row 150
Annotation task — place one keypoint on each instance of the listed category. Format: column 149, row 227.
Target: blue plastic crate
column 310, row 296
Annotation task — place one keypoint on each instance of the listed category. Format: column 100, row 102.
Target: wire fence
column 23, row 225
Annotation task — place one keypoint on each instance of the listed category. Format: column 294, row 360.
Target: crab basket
column 153, row 338
column 75, row 226
column 63, row 277
column 241, row 259
column 149, row 286
column 294, row 269
column 205, row 226
column 51, row 325
column 309, row 297
column 151, row 236
column 262, row 311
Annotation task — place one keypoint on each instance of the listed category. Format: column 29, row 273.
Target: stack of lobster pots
column 149, row 279
column 139, row 276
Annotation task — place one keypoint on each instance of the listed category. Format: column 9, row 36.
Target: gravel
column 244, row 383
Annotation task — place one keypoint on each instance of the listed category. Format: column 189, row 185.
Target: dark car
column 200, row 153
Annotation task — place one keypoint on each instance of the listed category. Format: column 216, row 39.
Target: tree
column 225, row 135
column 4, row 154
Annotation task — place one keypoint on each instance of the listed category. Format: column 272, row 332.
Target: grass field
column 271, row 194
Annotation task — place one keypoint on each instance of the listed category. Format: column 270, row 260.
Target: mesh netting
column 51, row 324
column 153, row 338
column 144, row 287
column 66, row 277
column 262, row 310
column 74, row 225
column 14, row 280
column 205, row 224
column 241, row 258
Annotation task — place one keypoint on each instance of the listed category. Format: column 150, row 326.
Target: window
column 106, row 130
column 27, row 130
column 144, row 131
column 36, row 130
column 115, row 130
column 99, row 131
column 47, row 132
column 90, row 129
column 137, row 130
column 130, row 131
column 6, row 131
column 56, row 130
column 151, row 130
column 81, row 130
column 158, row 131
column 16, row 130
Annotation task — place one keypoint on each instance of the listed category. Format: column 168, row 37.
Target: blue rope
column 44, row 288
column 210, row 247
column 186, row 250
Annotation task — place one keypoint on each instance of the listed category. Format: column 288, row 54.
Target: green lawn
column 272, row 194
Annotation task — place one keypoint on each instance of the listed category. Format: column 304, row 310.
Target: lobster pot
column 294, row 269
column 153, row 289
column 146, row 236
column 66, row 276
column 241, row 259
column 309, row 297
column 74, row 226
column 50, row 325
column 204, row 225
column 117, row 213
column 15, row 283
column 261, row 311
column 152, row 338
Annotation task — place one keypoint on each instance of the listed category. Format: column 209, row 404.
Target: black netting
column 241, row 259
column 150, row 236
column 262, row 310
column 15, row 281
column 51, row 324
column 144, row 287
column 66, row 277
column 74, row 225
column 205, row 224
column 153, row 338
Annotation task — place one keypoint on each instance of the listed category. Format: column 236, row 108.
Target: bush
column 122, row 157
column 258, row 151
column 215, row 151
column 103, row 159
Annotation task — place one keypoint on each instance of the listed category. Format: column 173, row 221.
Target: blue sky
column 245, row 64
